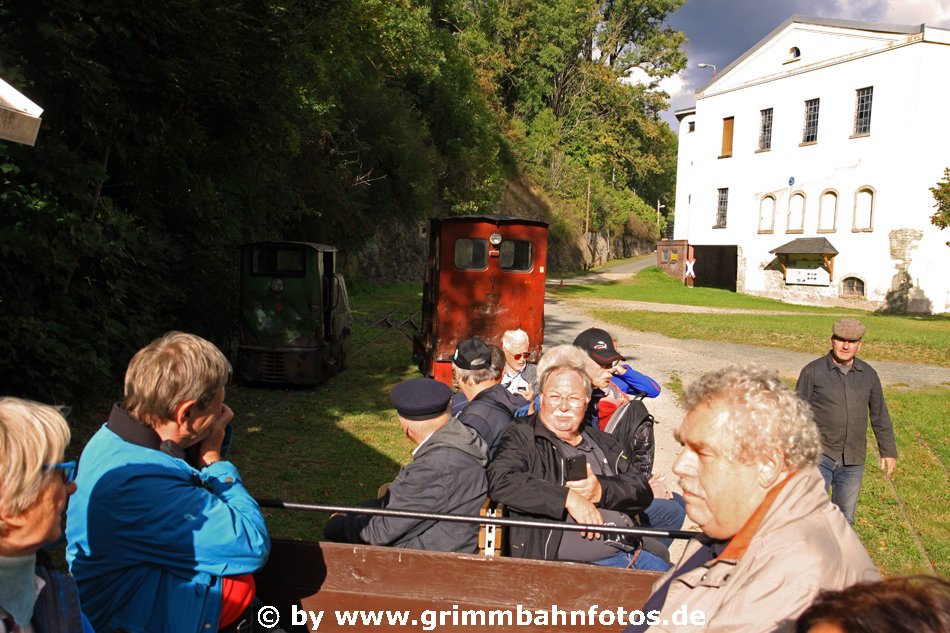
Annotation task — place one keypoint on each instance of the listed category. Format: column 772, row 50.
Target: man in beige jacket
column 771, row 538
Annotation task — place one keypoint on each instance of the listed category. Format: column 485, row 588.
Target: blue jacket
column 635, row 383
column 149, row 537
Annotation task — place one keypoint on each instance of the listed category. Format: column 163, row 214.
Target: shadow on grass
column 331, row 444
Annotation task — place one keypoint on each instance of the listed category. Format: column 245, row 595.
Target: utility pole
column 658, row 207
column 587, row 223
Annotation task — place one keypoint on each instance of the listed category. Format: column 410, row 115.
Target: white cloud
column 930, row 12
column 674, row 85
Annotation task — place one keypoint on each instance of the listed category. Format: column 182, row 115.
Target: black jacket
column 490, row 413
column 526, row 475
column 841, row 404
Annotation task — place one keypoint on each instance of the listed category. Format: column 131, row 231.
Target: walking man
column 842, row 390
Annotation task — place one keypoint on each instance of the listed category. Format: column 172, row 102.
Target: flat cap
column 848, row 329
column 472, row 353
column 420, row 398
column 599, row 345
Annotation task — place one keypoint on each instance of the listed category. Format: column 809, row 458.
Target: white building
column 806, row 165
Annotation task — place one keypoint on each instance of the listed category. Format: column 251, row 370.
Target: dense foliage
column 941, row 193
column 174, row 131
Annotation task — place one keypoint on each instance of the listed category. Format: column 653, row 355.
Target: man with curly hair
column 772, row 541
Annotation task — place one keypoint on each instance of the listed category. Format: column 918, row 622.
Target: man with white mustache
column 771, row 538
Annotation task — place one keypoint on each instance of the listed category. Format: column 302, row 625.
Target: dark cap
column 472, row 353
column 599, row 345
column 420, row 398
column 848, row 330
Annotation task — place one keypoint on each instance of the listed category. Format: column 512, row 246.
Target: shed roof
column 806, row 245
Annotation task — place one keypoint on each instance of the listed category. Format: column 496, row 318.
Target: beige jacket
column 770, row 573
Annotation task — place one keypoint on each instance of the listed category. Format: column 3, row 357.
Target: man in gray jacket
column 446, row 476
column 843, row 391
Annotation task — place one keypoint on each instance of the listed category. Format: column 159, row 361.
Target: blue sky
column 719, row 31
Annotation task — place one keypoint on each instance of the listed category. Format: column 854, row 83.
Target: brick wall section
column 671, row 257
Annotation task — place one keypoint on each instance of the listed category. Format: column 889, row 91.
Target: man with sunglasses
column 842, row 390
column 162, row 535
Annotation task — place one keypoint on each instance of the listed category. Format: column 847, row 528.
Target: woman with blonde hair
column 34, row 484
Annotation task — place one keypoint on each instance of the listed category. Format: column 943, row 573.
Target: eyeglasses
column 574, row 402
column 68, row 468
column 521, row 355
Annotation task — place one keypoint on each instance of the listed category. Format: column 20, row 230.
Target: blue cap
column 420, row 398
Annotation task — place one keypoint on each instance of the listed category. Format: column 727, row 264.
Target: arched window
column 767, row 214
column 852, row 287
column 828, row 212
column 796, row 213
column 863, row 210
column 793, row 54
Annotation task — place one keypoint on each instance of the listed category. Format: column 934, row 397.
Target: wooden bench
column 333, row 576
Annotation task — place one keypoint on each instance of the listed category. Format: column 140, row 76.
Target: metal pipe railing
column 430, row 516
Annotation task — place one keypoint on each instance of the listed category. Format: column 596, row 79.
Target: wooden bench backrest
column 333, row 576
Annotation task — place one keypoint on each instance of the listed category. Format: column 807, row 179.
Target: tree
column 941, row 193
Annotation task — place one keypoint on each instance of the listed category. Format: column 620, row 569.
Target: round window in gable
column 793, row 54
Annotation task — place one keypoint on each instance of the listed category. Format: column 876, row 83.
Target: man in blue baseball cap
column 446, row 476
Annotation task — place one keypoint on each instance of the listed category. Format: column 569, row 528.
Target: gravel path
column 660, row 357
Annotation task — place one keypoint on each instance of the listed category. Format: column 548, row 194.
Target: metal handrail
column 430, row 516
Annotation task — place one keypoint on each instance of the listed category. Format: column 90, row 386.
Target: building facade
column 805, row 169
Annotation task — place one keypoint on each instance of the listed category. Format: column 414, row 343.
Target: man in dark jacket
column 491, row 408
column 842, row 391
column 528, row 474
column 446, row 476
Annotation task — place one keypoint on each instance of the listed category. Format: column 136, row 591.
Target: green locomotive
column 295, row 317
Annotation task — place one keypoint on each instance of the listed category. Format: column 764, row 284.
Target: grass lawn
column 655, row 286
column 922, row 482
column 913, row 339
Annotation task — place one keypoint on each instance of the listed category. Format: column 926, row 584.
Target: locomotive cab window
column 279, row 261
column 517, row 256
column 471, row 254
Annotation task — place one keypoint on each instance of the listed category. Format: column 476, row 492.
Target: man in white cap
column 842, row 390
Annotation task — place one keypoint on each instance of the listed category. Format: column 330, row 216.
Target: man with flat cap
column 491, row 408
column 446, row 476
column 842, row 391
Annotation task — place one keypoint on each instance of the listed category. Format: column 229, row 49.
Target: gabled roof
column 873, row 27
column 806, row 246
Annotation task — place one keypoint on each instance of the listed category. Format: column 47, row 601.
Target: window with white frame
column 810, row 130
column 796, row 213
column 862, row 110
column 828, row 212
column 722, row 206
column 765, row 129
column 863, row 210
column 767, row 214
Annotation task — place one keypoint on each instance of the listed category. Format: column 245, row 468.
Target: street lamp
column 658, row 207
column 713, row 66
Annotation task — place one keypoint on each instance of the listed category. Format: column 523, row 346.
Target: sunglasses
column 68, row 470
column 611, row 365
column 520, row 356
